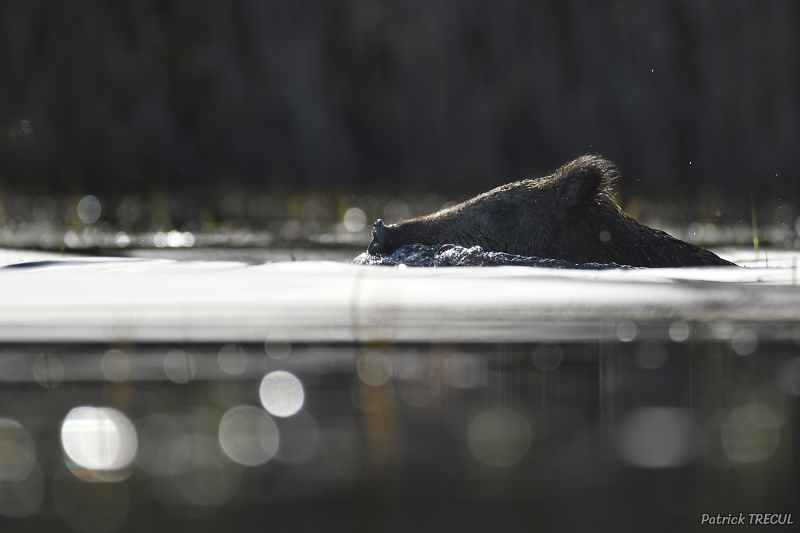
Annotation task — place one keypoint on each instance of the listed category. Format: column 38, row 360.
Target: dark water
column 441, row 255
column 645, row 435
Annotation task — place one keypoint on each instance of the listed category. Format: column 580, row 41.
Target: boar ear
column 581, row 183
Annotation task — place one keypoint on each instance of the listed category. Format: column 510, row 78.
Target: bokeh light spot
column 116, row 366
column 206, row 480
column 22, row 497
column 374, row 368
column 371, row 399
column 48, row 371
column 679, row 331
column 179, row 366
column 750, row 434
column 547, row 357
column 278, row 347
column 355, row 219
column 17, row 454
column 281, row 393
column 462, row 371
column 418, row 386
column 626, row 331
column 499, row 437
column 248, row 435
column 744, row 342
column 99, row 438
column 232, row 359
column 162, row 447
column 655, row 437
column 89, row 209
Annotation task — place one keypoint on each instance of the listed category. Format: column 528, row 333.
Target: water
column 142, row 394
column 600, row 436
column 450, row 255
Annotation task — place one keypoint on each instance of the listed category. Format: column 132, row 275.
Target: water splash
column 445, row 255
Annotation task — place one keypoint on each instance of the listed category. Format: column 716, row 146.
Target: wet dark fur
column 568, row 215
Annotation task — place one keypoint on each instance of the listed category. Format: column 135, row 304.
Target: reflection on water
column 643, row 433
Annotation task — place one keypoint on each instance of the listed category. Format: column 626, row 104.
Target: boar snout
column 380, row 238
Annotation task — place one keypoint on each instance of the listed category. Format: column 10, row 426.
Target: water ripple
column 446, row 255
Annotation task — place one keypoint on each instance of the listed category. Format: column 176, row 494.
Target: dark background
column 394, row 96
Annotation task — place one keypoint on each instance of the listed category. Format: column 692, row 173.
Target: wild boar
column 568, row 215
